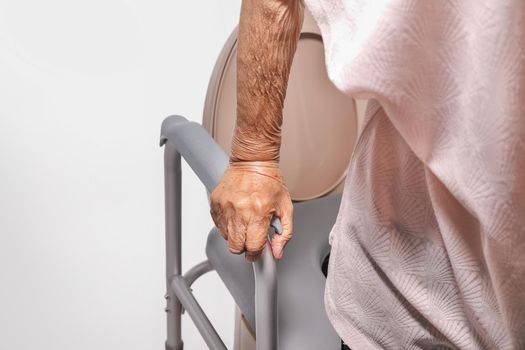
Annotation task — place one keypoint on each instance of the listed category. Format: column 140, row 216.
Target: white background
column 84, row 86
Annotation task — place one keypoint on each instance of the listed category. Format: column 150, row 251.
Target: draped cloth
column 428, row 249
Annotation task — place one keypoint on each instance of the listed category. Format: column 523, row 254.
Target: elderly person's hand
column 243, row 204
column 252, row 190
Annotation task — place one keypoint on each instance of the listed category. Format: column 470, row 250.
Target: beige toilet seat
column 320, row 123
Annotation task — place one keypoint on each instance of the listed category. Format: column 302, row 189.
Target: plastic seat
column 300, row 281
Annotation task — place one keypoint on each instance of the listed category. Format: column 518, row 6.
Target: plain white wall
column 84, row 86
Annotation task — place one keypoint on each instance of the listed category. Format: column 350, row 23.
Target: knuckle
column 259, row 204
column 250, row 204
column 241, row 202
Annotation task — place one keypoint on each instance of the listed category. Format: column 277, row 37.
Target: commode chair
column 281, row 304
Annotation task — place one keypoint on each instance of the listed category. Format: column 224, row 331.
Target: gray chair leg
column 172, row 193
column 209, row 162
column 179, row 294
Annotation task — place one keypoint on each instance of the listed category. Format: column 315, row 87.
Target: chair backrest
column 320, row 123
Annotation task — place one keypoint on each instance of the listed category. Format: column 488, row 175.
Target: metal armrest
column 191, row 141
column 197, row 147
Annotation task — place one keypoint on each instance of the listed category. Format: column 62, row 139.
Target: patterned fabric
column 428, row 250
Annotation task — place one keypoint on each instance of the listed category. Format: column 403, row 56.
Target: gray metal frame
column 190, row 140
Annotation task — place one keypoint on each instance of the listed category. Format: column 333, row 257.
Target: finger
column 279, row 241
column 236, row 235
column 218, row 219
column 257, row 235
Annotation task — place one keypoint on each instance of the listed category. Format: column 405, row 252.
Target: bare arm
column 252, row 189
column 268, row 34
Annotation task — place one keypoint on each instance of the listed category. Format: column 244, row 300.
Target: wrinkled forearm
column 268, row 35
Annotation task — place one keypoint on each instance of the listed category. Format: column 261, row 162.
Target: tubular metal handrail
column 191, row 141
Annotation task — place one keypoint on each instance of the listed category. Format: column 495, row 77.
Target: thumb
column 279, row 240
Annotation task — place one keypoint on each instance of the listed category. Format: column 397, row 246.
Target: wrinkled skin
column 252, row 189
column 268, row 35
column 243, row 205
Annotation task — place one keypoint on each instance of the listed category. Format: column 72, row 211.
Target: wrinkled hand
column 243, row 204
